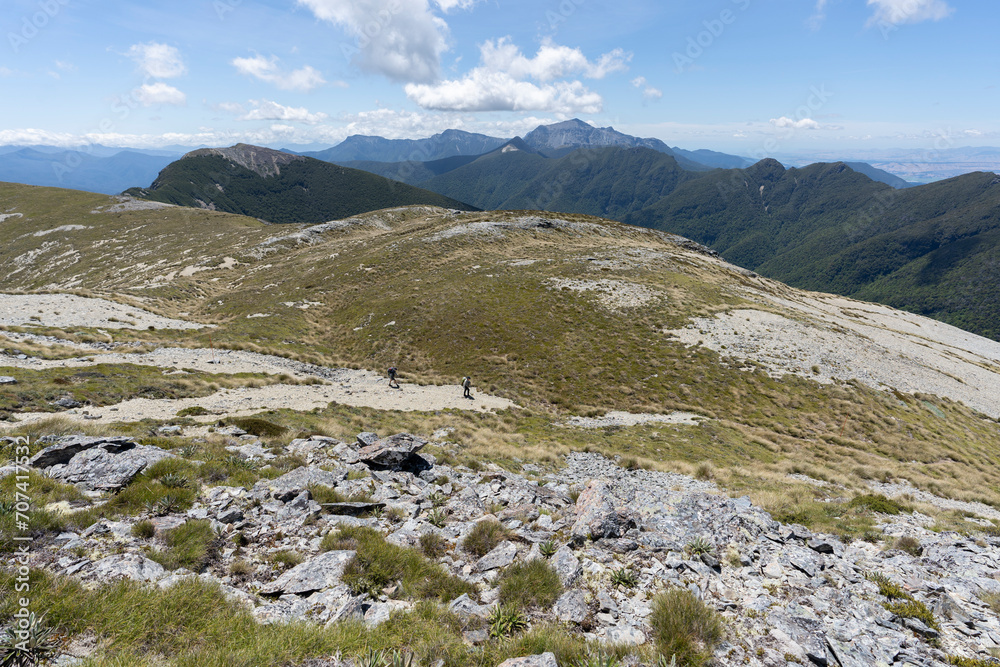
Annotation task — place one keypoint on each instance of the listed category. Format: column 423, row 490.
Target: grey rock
column 465, row 607
column 68, row 403
column 293, row 483
column 605, row 603
column 366, row 438
column 316, row 574
column 128, row 566
column 543, row 660
column 596, row 514
column 625, row 634
column 64, row 450
column 391, row 452
column 98, row 469
column 571, row 607
column 6, row 379
column 566, row 565
column 231, row 515
column 823, row 546
column 502, row 555
column 170, row 430
column 252, row 450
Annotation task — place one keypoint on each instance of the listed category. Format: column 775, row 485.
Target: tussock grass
column 530, row 585
column 683, row 626
column 484, row 536
column 193, row 546
column 379, row 564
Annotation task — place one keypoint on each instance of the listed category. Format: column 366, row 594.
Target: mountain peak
column 262, row 161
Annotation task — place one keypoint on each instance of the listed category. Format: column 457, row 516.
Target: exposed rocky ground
column 788, row 596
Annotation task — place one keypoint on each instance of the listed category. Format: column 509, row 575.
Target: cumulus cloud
column 551, row 62
column 897, row 12
column 159, row 61
column 482, row 90
column 400, row 39
column 448, row 5
column 801, row 124
column 268, row 110
column 155, row 94
column 267, row 69
column 648, row 92
column 499, row 83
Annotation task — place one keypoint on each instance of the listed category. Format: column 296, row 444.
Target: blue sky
column 754, row 77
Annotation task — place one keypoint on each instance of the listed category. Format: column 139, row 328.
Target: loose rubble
column 788, row 595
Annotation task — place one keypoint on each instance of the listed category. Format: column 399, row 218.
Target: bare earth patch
column 828, row 337
column 612, row 294
column 68, row 310
column 633, row 418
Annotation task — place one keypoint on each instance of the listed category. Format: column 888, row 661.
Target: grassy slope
column 394, row 293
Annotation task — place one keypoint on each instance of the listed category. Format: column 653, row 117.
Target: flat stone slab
column 542, row 660
column 323, row 571
column 6, row 379
column 128, row 566
column 293, row 483
column 97, row 469
column 64, row 450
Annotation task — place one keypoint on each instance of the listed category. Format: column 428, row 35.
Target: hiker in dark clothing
column 392, row 378
column 466, row 385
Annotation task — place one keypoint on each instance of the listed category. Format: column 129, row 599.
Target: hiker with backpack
column 392, row 378
column 466, row 385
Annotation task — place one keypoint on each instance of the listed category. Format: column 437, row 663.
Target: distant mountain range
column 279, row 187
column 95, row 171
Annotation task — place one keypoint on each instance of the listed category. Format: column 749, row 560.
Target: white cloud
column 229, row 107
column 400, row 39
column 159, row 61
column 499, row 84
column 551, row 62
column 268, row 110
column 448, row 5
column 153, row 94
column 4, row 71
column 896, row 12
column 801, row 124
column 266, row 69
column 482, row 90
column 648, row 92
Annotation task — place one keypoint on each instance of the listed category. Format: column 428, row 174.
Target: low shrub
column 257, row 426
column 433, row 545
column 876, row 502
column 286, row 559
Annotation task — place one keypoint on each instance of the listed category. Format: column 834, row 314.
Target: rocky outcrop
column 97, row 464
column 787, row 594
column 393, row 452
